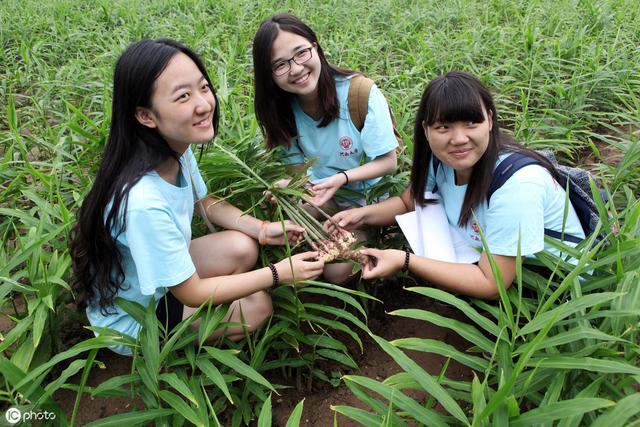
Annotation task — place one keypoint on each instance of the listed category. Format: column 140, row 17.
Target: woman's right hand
column 348, row 219
column 281, row 183
column 303, row 266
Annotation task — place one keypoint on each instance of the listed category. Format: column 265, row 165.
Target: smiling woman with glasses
column 301, row 103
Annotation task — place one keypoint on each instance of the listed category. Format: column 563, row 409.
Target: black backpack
column 579, row 189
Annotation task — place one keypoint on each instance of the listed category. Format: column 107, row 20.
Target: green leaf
column 618, row 415
column 565, row 310
column 39, row 322
column 16, row 332
column 264, row 420
column 181, row 407
column 338, row 357
column 210, row 320
column 460, row 304
column 230, row 360
column 562, row 409
column 346, row 298
column 443, row 349
column 214, row 375
column 585, row 363
column 112, row 386
column 363, row 417
column 174, row 381
column 343, row 314
column 576, row 334
column 296, row 415
column 465, row 330
column 400, row 400
column 132, row 418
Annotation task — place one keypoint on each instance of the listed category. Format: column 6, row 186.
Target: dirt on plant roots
column 373, row 362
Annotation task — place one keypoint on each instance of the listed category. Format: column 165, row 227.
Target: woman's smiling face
column 460, row 144
column 301, row 79
column 182, row 105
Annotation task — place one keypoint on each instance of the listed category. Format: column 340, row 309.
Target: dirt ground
column 373, row 363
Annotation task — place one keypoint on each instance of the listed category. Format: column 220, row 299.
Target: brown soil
column 373, row 363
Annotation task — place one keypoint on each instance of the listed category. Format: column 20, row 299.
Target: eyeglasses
column 282, row 67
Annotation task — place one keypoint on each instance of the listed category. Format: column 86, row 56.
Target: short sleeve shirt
column 155, row 243
column 339, row 146
column 530, row 201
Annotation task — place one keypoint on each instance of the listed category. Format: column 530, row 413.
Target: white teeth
column 301, row 79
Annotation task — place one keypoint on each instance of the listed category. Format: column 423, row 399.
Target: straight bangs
column 454, row 101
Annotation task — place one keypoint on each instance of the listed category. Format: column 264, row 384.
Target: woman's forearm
column 229, row 217
column 476, row 280
column 380, row 166
column 222, row 289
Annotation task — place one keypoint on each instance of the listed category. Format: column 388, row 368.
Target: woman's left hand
column 324, row 191
column 275, row 235
column 383, row 263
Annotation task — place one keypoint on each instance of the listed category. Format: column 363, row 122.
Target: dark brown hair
column 273, row 105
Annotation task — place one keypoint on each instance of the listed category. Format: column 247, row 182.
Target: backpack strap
column 358, row 99
column 358, row 102
column 505, row 170
column 513, row 163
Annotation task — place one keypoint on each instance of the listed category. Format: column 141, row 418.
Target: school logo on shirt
column 346, row 144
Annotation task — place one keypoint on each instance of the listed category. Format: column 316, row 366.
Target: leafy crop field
column 560, row 350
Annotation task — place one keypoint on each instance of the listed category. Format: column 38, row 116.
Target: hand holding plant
column 348, row 219
column 275, row 232
column 323, row 191
column 382, row 263
column 303, row 266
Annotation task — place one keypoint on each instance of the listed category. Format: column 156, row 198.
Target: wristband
column 407, row 255
column 274, row 274
column 346, row 176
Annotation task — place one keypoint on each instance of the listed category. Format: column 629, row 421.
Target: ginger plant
column 332, row 246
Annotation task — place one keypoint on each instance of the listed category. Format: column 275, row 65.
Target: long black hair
column 131, row 151
column 458, row 96
column 273, row 105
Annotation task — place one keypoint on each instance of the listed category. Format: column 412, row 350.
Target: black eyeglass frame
column 293, row 58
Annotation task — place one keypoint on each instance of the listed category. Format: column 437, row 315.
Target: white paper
column 430, row 235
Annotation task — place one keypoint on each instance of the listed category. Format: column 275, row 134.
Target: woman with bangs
column 457, row 146
column 301, row 105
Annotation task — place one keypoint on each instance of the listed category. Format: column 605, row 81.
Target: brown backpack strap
column 358, row 99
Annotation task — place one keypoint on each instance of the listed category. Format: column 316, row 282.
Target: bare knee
column 244, row 252
column 256, row 308
column 337, row 274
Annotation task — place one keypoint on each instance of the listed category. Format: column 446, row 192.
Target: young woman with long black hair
column 133, row 235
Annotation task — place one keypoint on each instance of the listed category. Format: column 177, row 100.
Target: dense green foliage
column 565, row 76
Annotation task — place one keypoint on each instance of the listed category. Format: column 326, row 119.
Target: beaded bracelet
column 407, row 255
column 274, row 273
column 346, row 176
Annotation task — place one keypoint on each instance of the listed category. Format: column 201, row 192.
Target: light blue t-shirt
column 339, row 146
column 530, row 201
column 155, row 244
